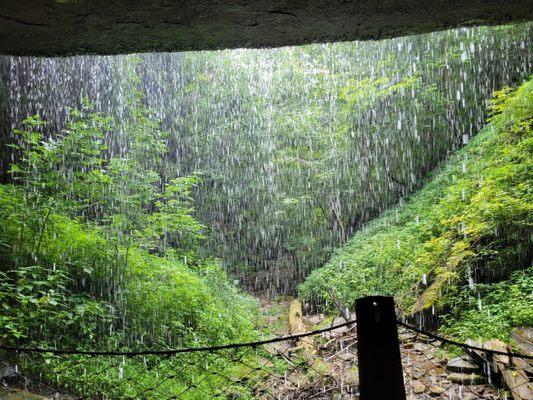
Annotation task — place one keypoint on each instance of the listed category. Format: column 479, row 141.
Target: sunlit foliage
column 471, row 223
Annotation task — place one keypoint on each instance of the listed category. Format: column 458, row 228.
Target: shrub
column 471, row 222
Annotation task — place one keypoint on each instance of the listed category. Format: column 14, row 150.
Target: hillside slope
column 460, row 245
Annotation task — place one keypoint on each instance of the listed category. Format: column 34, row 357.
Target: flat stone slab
column 462, row 365
column 467, row 379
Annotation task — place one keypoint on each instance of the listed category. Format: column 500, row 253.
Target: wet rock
column 69, row 27
column 407, row 336
column 469, row 396
column 313, row 320
column 418, row 387
column 462, row 365
column 466, row 378
column 436, row 390
column 418, row 372
column 339, row 331
column 346, row 356
column 422, row 347
column 339, row 321
column 522, row 338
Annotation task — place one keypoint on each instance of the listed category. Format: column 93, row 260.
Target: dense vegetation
column 297, row 146
column 98, row 251
column 462, row 244
column 136, row 188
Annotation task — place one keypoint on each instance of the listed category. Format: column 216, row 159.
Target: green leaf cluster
column 492, row 310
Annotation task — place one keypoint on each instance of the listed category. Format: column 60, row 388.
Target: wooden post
column 378, row 350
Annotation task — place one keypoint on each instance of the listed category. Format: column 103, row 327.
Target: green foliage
column 110, row 377
column 298, row 146
column 99, row 250
column 471, row 221
column 491, row 310
column 311, row 142
column 109, row 258
column 36, row 301
column 74, row 174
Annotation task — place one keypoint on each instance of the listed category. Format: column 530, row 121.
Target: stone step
column 463, row 364
column 467, row 379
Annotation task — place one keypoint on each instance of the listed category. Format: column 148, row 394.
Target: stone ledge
column 69, row 27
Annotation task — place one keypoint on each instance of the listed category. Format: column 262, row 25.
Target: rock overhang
column 72, row 27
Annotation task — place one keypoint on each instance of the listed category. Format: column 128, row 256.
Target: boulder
column 418, row 387
column 462, row 364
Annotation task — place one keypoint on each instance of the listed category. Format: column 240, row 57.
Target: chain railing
column 431, row 371
column 321, row 364
column 276, row 368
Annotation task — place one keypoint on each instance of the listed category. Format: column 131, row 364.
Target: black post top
column 378, row 349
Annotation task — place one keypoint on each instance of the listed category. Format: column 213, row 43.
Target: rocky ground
column 429, row 374
column 329, row 371
column 325, row 365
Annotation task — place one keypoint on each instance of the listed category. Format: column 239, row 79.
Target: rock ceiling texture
column 68, row 27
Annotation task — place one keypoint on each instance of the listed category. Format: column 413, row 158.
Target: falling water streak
column 282, row 106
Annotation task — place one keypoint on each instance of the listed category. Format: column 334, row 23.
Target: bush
column 471, row 222
column 99, row 251
column 491, row 310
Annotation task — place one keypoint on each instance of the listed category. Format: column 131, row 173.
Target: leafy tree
column 99, row 250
